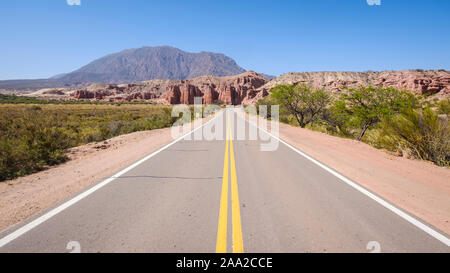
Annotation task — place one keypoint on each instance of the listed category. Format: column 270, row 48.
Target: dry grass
column 34, row 136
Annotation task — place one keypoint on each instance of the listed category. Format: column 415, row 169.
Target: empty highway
column 224, row 195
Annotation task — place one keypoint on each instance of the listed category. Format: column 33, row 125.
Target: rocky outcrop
column 209, row 95
column 141, row 96
column 418, row 81
column 227, row 90
column 187, row 93
column 248, row 87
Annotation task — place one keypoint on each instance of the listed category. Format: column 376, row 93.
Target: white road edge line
column 442, row 238
column 19, row 232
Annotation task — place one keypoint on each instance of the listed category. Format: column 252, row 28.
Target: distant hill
column 268, row 77
column 148, row 63
column 434, row 83
column 140, row 64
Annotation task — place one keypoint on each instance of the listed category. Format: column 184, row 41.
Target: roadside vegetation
column 386, row 118
column 14, row 99
column 35, row 136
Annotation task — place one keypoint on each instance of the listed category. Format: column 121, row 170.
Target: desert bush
column 387, row 118
column 14, row 99
column 33, row 137
column 419, row 133
column 29, row 143
column 444, row 107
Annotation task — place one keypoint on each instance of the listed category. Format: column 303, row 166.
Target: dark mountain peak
column 147, row 63
column 138, row 64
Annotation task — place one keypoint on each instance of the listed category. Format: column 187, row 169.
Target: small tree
column 365, row 107
column 336, row 123
column 305, row 104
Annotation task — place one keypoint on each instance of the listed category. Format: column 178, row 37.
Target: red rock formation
column 188, row 92
column 421, row 82
column 227, row 95
column 248, row 87
column 83, row 94
column 140, row 96
column 229, row 90
column 253, row 96
column 209, row 95
column 173, row 95
column 86, row 94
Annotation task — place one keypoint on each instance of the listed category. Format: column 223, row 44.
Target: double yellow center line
column 221, row 245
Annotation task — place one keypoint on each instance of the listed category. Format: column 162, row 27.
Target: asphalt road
column 223, row 196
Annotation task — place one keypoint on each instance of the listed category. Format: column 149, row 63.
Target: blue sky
column 41, row 38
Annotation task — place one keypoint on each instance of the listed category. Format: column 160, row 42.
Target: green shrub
column 35, row 108
column 33, row 137
column 444, row 107
column 419, row 133
column 364, row 107
column 387, row 118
